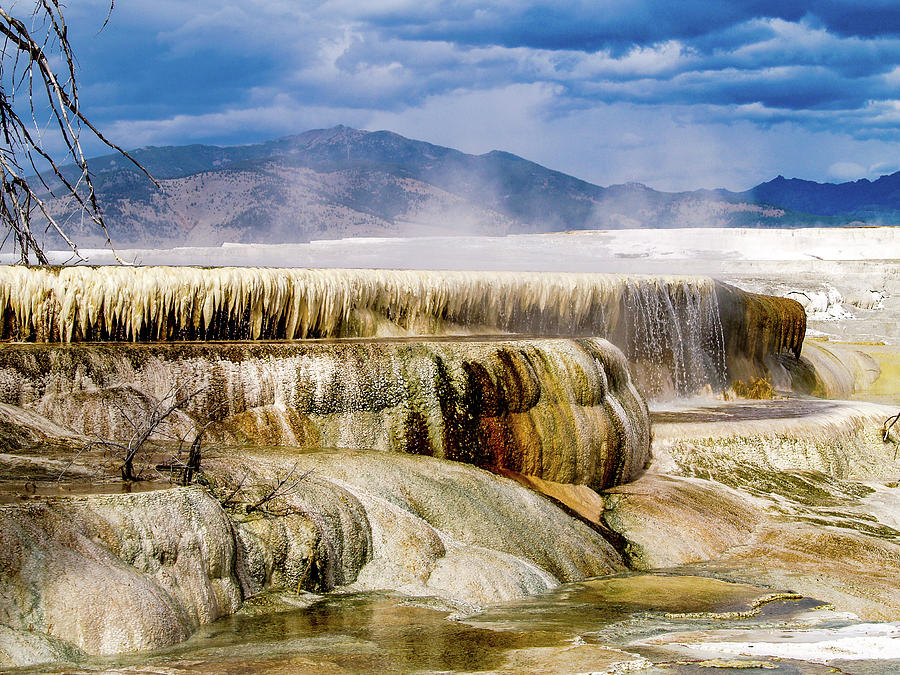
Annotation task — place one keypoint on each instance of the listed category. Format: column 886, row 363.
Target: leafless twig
column 886, row 430
column 195, row 455
column 28, row 70
column 281, row 488
column 143, row 429
column 229, row 498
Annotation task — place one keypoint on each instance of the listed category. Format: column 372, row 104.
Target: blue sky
column 678, row 95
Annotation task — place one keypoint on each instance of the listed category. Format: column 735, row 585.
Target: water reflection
column 588, row 626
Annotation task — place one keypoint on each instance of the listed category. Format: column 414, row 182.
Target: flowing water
column 670, row 327
column 633, row 622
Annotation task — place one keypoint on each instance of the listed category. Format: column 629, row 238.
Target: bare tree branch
column 225, row 501
column 889, row 424
column 195, row 455
column 142, row 429
column 27, row 70
column 281, row 488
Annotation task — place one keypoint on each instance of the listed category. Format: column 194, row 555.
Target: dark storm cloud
column 615, row 23
column 387, row 55
column 588, row 26
column 863, row 19
column 223, row 71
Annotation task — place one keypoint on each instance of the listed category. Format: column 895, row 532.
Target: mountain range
column 339, row 182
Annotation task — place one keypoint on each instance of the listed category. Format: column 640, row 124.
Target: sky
column 676, row 95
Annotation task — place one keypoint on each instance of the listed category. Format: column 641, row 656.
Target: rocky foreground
column 505, row 500
column 793, row 495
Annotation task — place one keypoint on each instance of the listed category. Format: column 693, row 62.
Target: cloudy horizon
column 701, row 95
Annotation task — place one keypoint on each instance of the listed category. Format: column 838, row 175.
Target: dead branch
column 889, row 424
column 234, row 493
column 142, row 429
column 282, row 488
column 27, row 71
column 195, row 455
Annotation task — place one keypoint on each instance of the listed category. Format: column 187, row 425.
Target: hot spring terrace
column 366, row 382
column 433, row 363
column 680, row 333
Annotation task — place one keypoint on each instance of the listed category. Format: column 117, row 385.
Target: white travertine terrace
column 63, row 303
column 654, row 319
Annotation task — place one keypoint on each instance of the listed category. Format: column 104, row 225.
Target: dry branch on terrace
column 146, row 425
column 889, row 424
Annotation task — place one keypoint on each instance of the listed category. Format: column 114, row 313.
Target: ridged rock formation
column 105, row 574
column 113, row 573
column 797, row 493
column 759, row 329
column 834, row 370
column 562, row 410
column 425, row 527
column 679, row 333
column 837, row 439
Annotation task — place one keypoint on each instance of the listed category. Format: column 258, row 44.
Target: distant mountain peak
column 861, row 199
column 336, row 134
column 339, row 182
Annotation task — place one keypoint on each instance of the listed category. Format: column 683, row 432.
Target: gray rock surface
column 429, row 527
column 113, row 573
column 105, row 574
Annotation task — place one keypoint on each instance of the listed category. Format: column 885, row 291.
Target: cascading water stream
column 670, row 327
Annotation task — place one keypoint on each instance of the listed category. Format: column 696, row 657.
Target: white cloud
column 665, row 58
column 283, row 117
column 668, row 147
column 665, row 111
column 475, row 121
column 844, row 171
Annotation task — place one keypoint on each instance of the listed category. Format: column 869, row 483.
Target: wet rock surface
column 607, row 625
column 115, row 573
column 564, row 410
column 436, row 529
column 791, row 493
column 168, row 561
column 429, row 527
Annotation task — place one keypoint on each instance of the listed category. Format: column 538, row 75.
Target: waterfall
column 670, row 327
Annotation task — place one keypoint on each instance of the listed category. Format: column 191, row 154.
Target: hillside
column 339, row 182
column 865, row 199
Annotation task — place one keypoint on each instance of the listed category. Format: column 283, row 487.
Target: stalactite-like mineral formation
column 680, row 334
